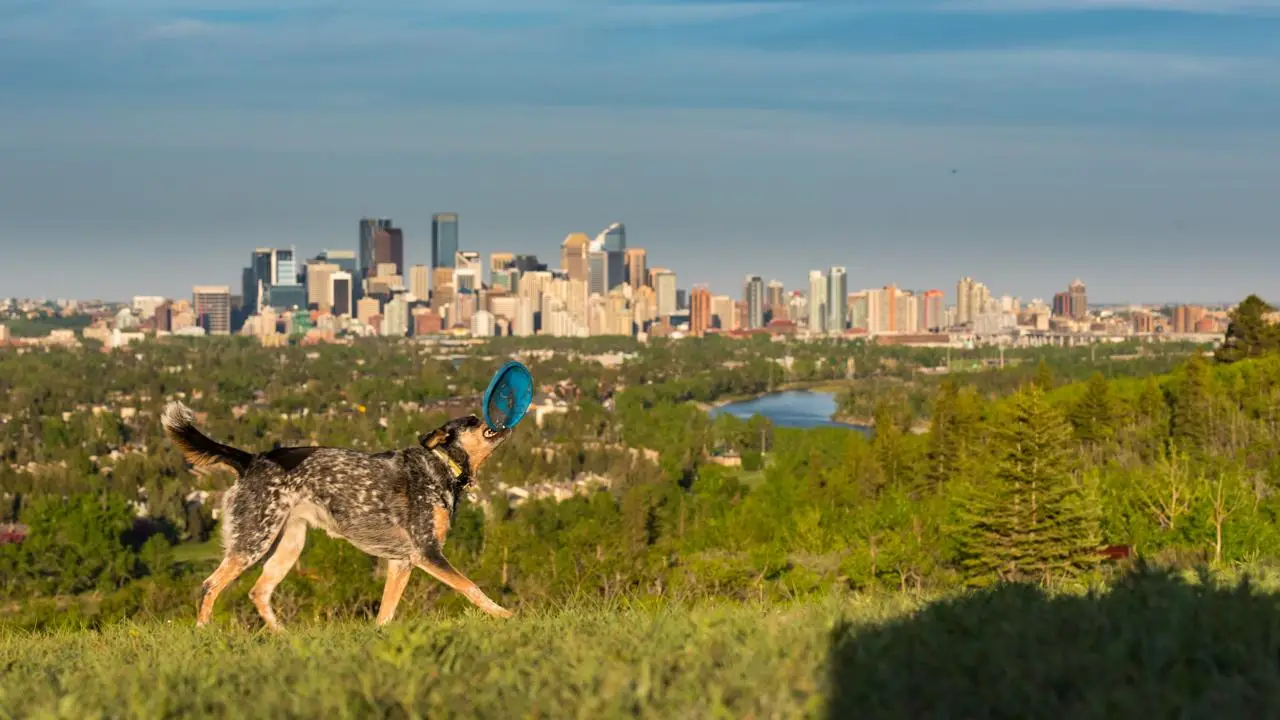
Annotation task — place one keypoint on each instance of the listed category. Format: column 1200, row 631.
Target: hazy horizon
column 151, row 146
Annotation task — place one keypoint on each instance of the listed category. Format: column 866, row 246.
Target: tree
column 1094, row 415
column 1193, row 405
column 1044, row 376
column 1249, row 334
column 1032, row 520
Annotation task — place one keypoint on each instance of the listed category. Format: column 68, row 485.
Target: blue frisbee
column 508, row 396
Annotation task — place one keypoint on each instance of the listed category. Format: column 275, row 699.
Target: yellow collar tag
column 452, row 464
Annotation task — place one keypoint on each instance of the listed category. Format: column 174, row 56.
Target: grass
column 1156, row 645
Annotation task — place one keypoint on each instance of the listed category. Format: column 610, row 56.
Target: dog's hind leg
column 251, row 522
column 288, row 548
column 434, row 562
column 398, row 572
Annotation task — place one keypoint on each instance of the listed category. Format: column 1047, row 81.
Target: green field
column 1155, row 646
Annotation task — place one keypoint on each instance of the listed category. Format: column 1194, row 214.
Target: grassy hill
column 1154, row 646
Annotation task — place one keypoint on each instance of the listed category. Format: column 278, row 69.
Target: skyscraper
column 368, row 228
column 256, row 277
column 284, row 270
column 817, row 301
column 753, row 295
column 636, row 260
column 597, row 272
column 573, row 256
column 444, row 239
column 341, row 289
column 212, row 307
column 664, row 285
column 1079, row 299
column 775, row 304
column 837, row 300
column 613, row 238
column 933, row 316
column 419, row 282
column 319, row 287
column 699, row 310
column 388, row 247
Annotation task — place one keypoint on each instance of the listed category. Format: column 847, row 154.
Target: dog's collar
column 449, row 462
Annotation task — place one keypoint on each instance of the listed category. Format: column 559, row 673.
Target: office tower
column 368, row 229
column 665, row 287
column 468, row 260
column 212, row 307
column 341, row 293
column 286, row 297
column 722, row 315
column 700, row 310
column 1079, row 300
column 319, row 287
column 527, row 263
column 573, row 256
column 616, row 275
column 253, row 279
column 682, row 300
column 933, row 316
column 420, row 282
column 1061, row 304
column 444, row 239
column 817, row 301
column 501, row 261
column 388, row 248
column 753, row 296
column 775, row 304
column 612, row 238
column 837, row 299
column 344, row 259
column 636, row 260
column 284, row 270
column 597, row 272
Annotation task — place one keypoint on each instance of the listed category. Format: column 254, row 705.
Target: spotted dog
column 396, row 505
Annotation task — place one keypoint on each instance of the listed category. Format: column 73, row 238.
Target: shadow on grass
column 1155, row 646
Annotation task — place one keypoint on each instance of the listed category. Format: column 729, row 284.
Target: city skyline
column 1129, row 142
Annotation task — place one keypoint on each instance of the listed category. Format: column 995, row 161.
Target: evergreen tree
column 1191, row 424
column 1032, row 520
column 1094, row 415
column 1249, row 334
column 1044, row 376
column 943, row 449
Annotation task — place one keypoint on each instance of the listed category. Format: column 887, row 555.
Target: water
column 792, row 409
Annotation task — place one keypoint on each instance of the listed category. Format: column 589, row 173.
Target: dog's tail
column 198, row 448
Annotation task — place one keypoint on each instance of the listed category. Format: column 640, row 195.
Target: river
column 792, row 409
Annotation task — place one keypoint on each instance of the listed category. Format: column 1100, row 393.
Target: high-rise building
column 368, row 228
column 482, row 323
column 636, row 274
column 501, row 261
column 859, row 310
column 933, row 313
column 597, row 272
column 817, row 301
column 964, row 301
column 722, row 313
column 1079, row 300
column 319, row 287
column 837, row 299
column 699, row 310
column 212, row 307
column 395, row 317
column 444, row 239
column 775, row 304
column 617, row 269
column 507, row 279
column 664, row 285
column 1186, row 317
column 753, row 296
column 341, row 291
column 527, row 263
column 613, row 238
column 255, row 279
column 573, row 256
column 284, row 270
column 420, row 282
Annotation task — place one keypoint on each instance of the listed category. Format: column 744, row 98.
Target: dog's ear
column 437, row 438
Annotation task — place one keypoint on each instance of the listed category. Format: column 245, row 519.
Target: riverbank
column 813, row 386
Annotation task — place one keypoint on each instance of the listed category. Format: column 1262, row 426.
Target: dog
column 396, row 505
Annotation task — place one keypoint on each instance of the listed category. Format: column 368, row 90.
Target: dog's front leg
column 433, row 561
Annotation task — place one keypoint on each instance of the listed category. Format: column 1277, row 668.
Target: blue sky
column 147, row 145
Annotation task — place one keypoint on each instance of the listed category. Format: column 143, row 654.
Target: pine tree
column 1032, row 520
column 1044, row 376
column 1249, row 334
column 943, row 449
column 1094, row 415
column 1191, row 422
